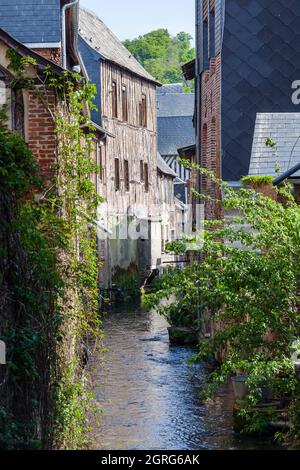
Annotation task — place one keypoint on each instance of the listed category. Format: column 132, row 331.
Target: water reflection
column 151, row 396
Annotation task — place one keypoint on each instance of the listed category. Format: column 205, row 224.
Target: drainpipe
column 64, row 32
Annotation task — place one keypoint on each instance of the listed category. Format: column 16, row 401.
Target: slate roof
column 284, row 129
column 175, row 111
column 175, row 104
column 101, row 38
column 174, row 133
column 260, row 61
column 31, row 21
column 164, row 167
column 170, row 88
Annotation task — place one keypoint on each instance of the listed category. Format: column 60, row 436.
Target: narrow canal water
column 150, row 395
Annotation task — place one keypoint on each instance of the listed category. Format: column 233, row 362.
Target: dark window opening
column 124, row 104
column 140, row 114
column 205, row 46
column 141, row 171
column 101, row 160
column 143, row 111
column 213, row 143
column 117, row 174
column 18, row 123
column 114, row 100
column 126, row 175
column 146, row 177
column 94, row 153
column 212, row 32
column 204, row 161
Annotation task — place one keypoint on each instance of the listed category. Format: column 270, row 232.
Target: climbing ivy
column 77, row 201
column 50, row 273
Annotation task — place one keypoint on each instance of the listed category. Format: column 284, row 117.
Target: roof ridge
column 141, row 72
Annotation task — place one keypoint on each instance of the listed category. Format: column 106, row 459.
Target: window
column 204, row 161
column 101, row 161
column 144, row 110
column 18, row 123
column 140, row 114
column 213, row 143
column 212, row 45
column 114, row 94
column 2, row 92
column 94, row 152
column 126, row 175
column 141, row 171
column 146, row 177
column 117, row 174
column 124, row 104
column 205, row 45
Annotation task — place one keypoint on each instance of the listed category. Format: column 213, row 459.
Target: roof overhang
column 189, row 70
column 164, row 168
column 24, row 51
column 187, row 152
column 100, row 132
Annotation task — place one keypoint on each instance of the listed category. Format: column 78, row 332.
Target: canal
column 150, row 395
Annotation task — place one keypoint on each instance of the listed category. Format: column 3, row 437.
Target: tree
column 248, row 284
column 161, row 54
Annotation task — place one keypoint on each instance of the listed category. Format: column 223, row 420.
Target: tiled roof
column 175, row 104
column 31, row 21
column 284, row 129
column 101, row 39
column 174, row 133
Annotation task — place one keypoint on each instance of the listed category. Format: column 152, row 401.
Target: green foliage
column 162, row 55
column 19, row 65
column 256, row 181
column 128, row 283
column 73, row 407
column 179, row 288
column 77, row 202
column 49, row 271
column 31, row 285
column 271, row 143
column 248, row 284
column 18, row 168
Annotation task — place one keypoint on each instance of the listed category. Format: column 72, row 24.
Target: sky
column 131, row 18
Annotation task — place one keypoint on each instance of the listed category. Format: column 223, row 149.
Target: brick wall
column 41, row 132
column 53, row 54
column 210, row 138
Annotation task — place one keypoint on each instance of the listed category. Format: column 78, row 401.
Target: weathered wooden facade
column 126, row 102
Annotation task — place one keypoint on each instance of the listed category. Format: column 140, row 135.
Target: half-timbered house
column 126, row 109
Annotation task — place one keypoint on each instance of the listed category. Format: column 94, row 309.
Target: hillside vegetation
column 163, row 55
